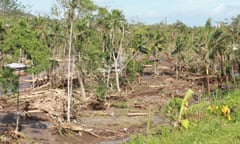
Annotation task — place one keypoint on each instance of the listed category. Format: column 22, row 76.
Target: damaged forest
column 87, row 75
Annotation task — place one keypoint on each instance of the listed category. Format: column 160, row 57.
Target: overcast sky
column 191, row 12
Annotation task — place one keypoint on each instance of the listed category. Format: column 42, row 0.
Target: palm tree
column 74, row 9
column 203, row 45
column 182, row 43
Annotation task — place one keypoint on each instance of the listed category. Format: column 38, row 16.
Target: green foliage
column 2, row 31
column 101, row 92
column 211, row 129
column 21, row 37
column 9, row 6
column 184, row 104
column 133, row 67
column 172, row 108
column 8, row 80
column 185, row 123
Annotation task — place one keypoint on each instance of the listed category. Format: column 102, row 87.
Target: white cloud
column 218, row 10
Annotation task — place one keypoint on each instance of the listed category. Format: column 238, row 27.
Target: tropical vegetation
column 102, row 53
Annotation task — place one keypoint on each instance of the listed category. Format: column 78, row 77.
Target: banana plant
column 181, row 44
column 184, row 107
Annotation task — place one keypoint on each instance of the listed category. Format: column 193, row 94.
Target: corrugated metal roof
column 16, row 65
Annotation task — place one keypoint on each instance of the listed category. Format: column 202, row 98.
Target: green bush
column 172, row 108
column 101, row 92
column 132, row 69
column 8, row 80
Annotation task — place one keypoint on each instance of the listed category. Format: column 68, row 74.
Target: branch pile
column 50, row 101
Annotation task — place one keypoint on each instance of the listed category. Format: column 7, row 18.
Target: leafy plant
column 8, row 80
column 210, row 129
column 101, row 91
column 172, row 108
column 132, row 68
column 184, row 107
column 223, row 110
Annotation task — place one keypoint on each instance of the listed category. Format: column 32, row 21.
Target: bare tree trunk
column 207, row 73
column 18, row 96
column 108, row 76
column 33, row 80
column 69, row 75
column 117, row 74
column 155, row 67
column 177, row 72
column 82, row 88
column 83, row 92
column 18, row 112
column 80, row 80
column 118, row 59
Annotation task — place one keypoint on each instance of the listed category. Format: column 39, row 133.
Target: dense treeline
column 105, row 51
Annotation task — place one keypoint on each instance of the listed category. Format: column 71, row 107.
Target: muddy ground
column 123, row 115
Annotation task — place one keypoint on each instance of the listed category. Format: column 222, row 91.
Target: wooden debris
column 154, row 86
column 148, row 66
column 43, row 86
column 77, row 128
column 139, row 106
column 35, row 111
column 137, row 114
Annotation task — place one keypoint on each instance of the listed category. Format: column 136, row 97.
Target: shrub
column 101, row 92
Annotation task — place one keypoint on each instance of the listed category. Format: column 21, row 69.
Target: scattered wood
column 35, row 111
column 139, row 106
column 137, row 114
column 57, row 59
column 201, row 77
column 42, row 86
column 148, row 66
column 153, row 86
column 32, row 96
column 26, row 80
column 77, row 128
column 38, row 92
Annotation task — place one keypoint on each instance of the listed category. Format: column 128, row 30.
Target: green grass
column 205, row 127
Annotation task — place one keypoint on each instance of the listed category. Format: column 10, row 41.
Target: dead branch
column 42, row 86
column 77, row 128
column 137, row 114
